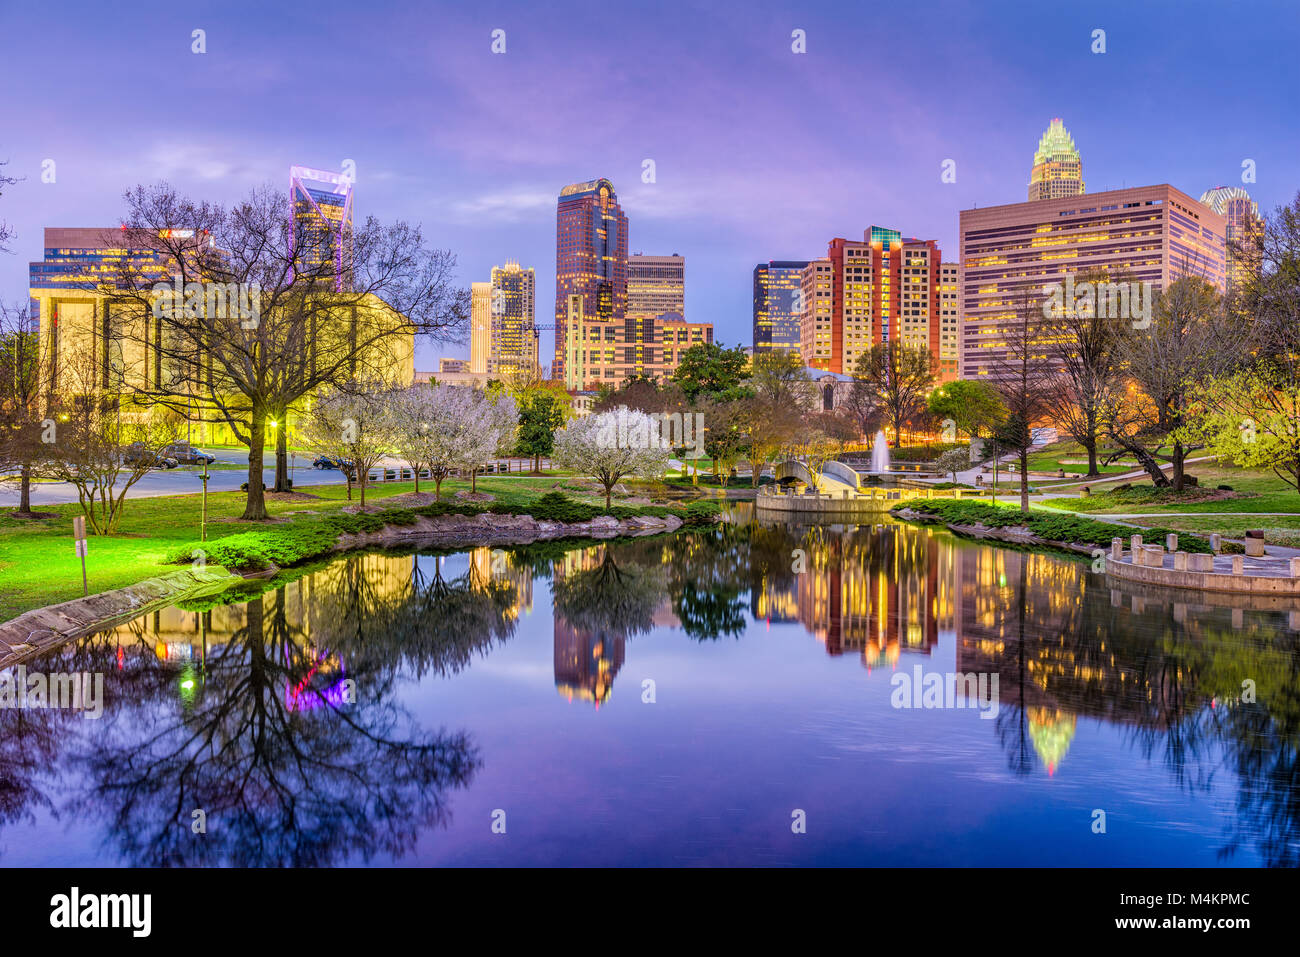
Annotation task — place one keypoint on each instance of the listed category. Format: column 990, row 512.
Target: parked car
column 186, row 454
column 331, row 462
column 137, row 454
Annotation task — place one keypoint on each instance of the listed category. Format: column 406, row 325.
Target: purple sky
column 760, row 153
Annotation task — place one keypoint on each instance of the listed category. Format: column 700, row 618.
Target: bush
column 1050, row 527
column 292, row 544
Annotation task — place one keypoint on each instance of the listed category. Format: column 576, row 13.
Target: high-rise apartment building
column 322, row 223
column 513, row 340
column 878, row 289
column 1244, row 228
column 590, row 278
column 778, row 300
column 815, row 313
column 1058, row 170
column 1144, row 234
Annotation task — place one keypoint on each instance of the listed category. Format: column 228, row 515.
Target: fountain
column 879, row 454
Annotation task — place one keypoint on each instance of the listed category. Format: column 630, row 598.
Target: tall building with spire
column 1058, row 170
column 322, row 224
column 1243, row 231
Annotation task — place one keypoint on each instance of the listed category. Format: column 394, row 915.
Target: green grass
column 1255, row 491
column 1052, row 457
column 39, row 567
column 1067, row 529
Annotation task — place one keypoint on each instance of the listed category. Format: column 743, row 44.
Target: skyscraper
column 1244, row 227
column 878, row 289
column 513, row 340
column 1143, row 234
column 480, row 326
column 1058, row 170
column 590, row 278
column 656, row 286
column 777, row 298
column 322, row 223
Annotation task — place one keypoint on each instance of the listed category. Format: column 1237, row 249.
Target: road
column 182, row 480
column 188, row 478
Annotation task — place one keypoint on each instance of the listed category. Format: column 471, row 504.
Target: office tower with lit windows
column 513, row 340
column 322, row 224
column 1058, row 169
column 656, row 286
column 778, row 291
column 1244, row 228
column 865, row 292
column 1144, row 234
column 590, row 280
column 480, row 326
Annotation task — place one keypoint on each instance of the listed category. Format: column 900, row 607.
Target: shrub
column 1050, row 527
column 292, row 544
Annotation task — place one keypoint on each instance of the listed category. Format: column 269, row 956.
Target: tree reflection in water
column 289, row 773
column 286, row 770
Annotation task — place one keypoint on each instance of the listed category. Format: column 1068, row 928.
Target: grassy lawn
column 1070, row 456
column 1257, row 491
column 38, row 565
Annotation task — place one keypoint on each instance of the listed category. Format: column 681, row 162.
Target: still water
column 723, row 697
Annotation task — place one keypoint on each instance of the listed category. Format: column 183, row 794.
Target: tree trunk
column 255, row 504
column 437, row 487
column 473, row 480
column 1179, row 457
column 1092, row 459
column 1146, row 460
column 607, row 491
column 415, row 470
column 362, row 476
column 1024, row 480
column 25, row 490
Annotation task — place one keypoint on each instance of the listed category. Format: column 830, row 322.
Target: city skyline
column 722, row 209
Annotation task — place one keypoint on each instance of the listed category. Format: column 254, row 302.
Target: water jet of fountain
column 880, row 453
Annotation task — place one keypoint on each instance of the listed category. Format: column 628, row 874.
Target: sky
column 759, row 152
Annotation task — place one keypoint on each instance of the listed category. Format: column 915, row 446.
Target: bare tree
column 1023, row 376
column 301, row 324
column 782, row 393
column 25, row 430
column 6, row 231
column 900, row 376
column 104, row 442
column 1186, row 341
column 1087, row 381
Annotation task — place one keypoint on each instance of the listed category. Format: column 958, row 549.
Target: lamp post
column 203, row 521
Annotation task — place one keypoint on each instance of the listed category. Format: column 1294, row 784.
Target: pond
column 753, row 694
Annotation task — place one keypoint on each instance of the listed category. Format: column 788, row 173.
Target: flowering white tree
column 442, row 428
column 359, row 425
column 489, row 431
column 431, row 421
column 613, row 445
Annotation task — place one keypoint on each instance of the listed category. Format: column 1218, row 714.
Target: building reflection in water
column 603, row 594
column 321, row 611
column 879, row 590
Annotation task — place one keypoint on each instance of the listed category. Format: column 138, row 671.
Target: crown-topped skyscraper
column 1058, row 170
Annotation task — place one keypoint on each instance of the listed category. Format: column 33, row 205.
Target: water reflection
column 283, row 717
